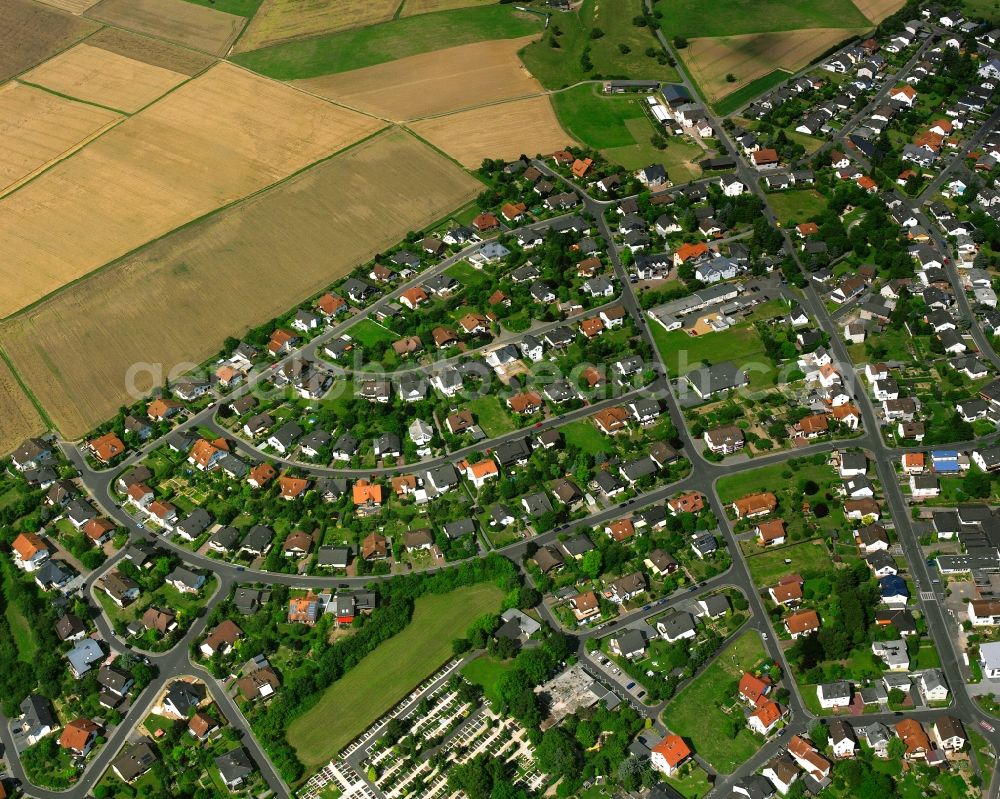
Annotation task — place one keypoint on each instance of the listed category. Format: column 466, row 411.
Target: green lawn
column 927, row 656
column 697, row 716
column 21, row 630
column 556, row 67
column 693, row 784
column 598, row 119
column 377, row 44
column 585, row 436
column 744, row 95
column 242, row 8
column 694, row 18
column 740, row 344
column 396, row 667
column 680, row 157
column 371, row 335
column 485, row 671
column 768, row 478
column 797, row 205
column 491, row 416
column 767, row 567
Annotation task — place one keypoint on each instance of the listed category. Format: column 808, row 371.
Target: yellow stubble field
column 216, row 139
column 283, row 20
column 433, row 83
column 877, row 10
column 413, row 7
column 502, row 130
column 177, row 299
column 38, row 128
column 18, row 417
column 199, row 27
column 101, row 76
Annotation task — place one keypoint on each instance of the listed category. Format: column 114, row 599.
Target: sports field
column 37, row 128
column 20, row 419
column 216, row 139
column 365, row 47
column 284, row 20
column 696, row 713
column 176, row 300
column 505, row 130
column 397, row 667
column 104, row 77
column 752, row 56
column 696, row 18
column 188, row 24
column 31, row 32
column 432, row 83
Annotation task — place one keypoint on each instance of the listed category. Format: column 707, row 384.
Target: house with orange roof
column 303, row 610
column 808, row 758
column 585, row 605
column 78, row 736
column 754, row 505
column 904, row 94
column 866, row 183
column 30, row 551
column 687, row 252
column 281, row 342
column 228, row 375
column 754, row 690
column 942, row 127
column 807, row 229
column 771, row 532
column 98, row 531
column 563, row 157
column 812, row 426
column 404, row 484
column 592, row 328
column 788, row 591
column 292, row 487
column 913, row 462
column 512, row 212
column 525, row 402
column 163, row 513
column 205, row 455
column 581, row 166
column 669, row 754
column 805, row 622
column 414, row 297
column 765, row 158
column 367, row 495
column 330, row 305
column 161, row 409
column 918, row 744
column 689, row 502
column 474, row 324
column 765, row 718
column 620, row 530
column 478, row 473
column 611, row 420
column 261, row 475
column 847, row 414
column 107, row 447
column 485, row 221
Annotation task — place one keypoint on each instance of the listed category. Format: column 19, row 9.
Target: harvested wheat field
column 177, row 299
column 282, row 20
column 38, row 128
column 433, row 83
column 18, row 417
column 191, row 25
column 413, row 7
column 877, row 10
column 151, row 51
column 72, row 6
column 106, row 78
column 504, row 130
column 754, row 55
column 224, row 135
column 30, row 33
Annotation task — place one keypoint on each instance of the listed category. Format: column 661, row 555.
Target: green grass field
column 556, row 67
column 767, row 478
column 768, row 567
column 697, row 716
column 484, row 671
column 377, row 44
column 598, row 119
column 680, row 158
column 744, row 95
column 585, row 436
column 693, row 18
column 395, row 668
column 21, row 631
column 740, row 344
column 491, row 416
column 796, row 205
column 371, row 335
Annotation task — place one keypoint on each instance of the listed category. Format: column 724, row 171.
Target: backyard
column 796, row 205
column 697, row 713
column 398, row 665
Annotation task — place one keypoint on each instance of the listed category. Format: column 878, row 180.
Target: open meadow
column 752, row 56
column 176, row 300
column 31, row 32
column 104, row 77
column 284, row 20
column 20, row 418
column 400, row 38
column 188, row 24
column 432, row 83
column 218, row 138
column 398, row 666
column 504, row 130
column 691, row 18
column 38, row 128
